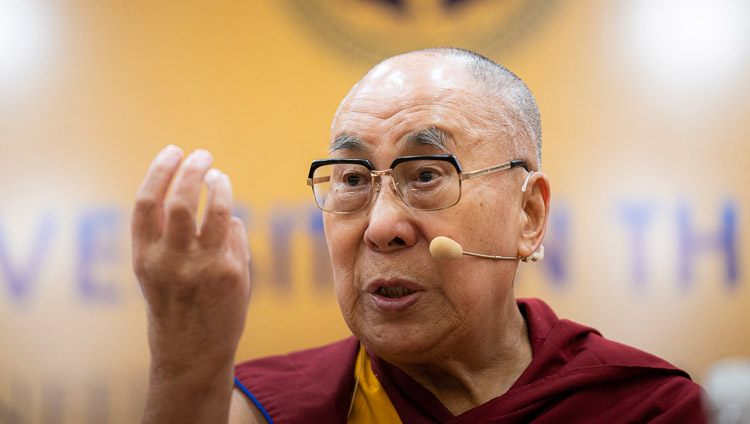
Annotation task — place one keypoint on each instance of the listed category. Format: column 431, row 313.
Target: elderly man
column 440, row 142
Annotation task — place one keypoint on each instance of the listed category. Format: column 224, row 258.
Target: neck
column 474, row 371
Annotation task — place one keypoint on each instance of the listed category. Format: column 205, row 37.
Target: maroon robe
column 575, row 375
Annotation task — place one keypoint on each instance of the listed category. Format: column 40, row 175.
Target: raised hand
column 196, row 282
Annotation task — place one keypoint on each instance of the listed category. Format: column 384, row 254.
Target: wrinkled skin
column 466, row 321
column 462, row 336
column 196, row 285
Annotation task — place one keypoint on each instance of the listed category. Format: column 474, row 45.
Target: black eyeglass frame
column 375, row 174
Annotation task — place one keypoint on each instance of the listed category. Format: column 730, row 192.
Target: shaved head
column 513, row 112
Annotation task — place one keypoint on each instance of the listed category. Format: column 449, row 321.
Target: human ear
column 535, row 211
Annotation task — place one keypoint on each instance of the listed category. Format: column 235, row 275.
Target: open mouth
column 394, row 292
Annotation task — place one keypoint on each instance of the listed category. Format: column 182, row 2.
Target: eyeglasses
column 428, row 183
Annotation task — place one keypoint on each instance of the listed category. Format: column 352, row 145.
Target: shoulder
column 576, row 363
column 308, row 383
column 640, row 384
column 561, row 345
column 302, row 361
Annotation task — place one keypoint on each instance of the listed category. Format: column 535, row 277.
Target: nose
column 391, row 225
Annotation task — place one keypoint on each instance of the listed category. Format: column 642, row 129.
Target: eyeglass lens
column 421, row 184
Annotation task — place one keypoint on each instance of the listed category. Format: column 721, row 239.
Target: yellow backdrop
column 646, row 114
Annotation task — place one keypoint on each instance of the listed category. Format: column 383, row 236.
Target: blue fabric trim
column 254, row 399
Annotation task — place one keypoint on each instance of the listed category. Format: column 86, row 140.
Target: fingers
column 183, row 202
column 239, row 239
column 240, row 245
column 181, row 205
column 219, row 204
column 147, row 215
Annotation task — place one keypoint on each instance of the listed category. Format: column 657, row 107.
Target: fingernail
column 170, row 153
column 212, row 175
column 201, row 157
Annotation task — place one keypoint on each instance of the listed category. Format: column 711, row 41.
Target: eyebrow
column 346, row 142
column 431, row 136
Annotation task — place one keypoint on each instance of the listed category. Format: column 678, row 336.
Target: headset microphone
column 442, row 247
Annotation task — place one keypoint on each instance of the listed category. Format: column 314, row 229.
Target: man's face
column 439, row 305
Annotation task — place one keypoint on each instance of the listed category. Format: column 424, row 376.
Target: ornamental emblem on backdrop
column 372, row 30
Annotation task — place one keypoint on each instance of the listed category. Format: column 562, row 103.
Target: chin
column 397, row 342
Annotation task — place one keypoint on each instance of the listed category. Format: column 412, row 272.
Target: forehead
column 410, row 94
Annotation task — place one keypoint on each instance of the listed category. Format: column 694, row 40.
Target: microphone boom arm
column 492, row 256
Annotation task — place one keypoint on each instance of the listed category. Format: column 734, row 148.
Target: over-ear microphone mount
column 442, row 247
